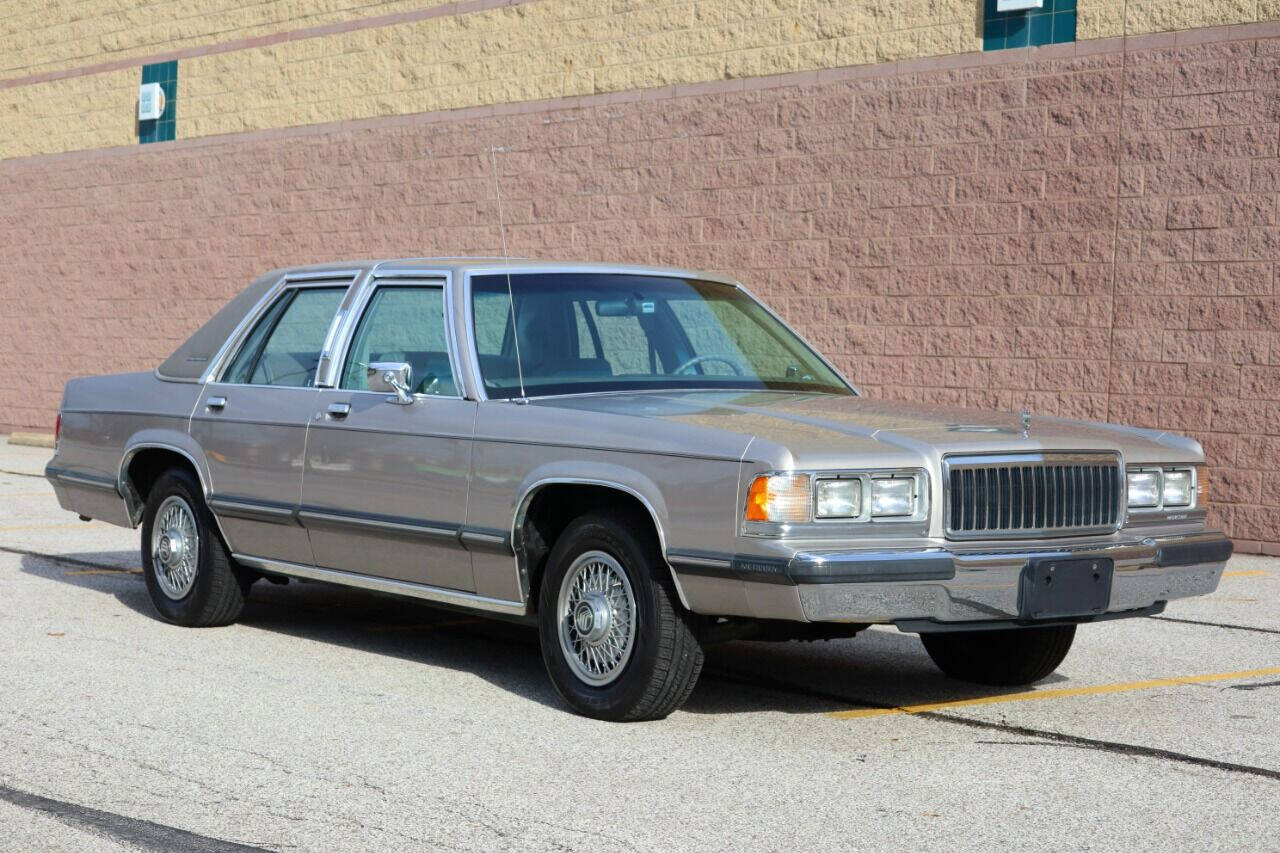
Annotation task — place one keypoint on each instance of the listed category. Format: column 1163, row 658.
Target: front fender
column 607, row 475
column 589, row 473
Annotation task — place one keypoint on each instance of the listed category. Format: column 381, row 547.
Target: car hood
column 792, row 430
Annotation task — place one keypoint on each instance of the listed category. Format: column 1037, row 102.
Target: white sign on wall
column 1018, row 5
column 150, row 101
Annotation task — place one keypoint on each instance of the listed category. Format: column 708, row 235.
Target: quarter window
column 403, row 324
column 284, row 347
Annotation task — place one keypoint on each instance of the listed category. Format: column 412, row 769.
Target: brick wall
column 1092, row 235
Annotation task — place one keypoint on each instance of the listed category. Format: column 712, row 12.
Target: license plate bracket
column 1056, row 588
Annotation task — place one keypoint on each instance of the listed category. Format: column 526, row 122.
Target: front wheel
column 1006, row 657
column 615, row 641
column 190, row 576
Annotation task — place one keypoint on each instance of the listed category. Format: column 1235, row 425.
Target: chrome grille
column 1031, row 494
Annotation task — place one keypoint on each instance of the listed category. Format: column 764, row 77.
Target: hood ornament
column 1025, row 416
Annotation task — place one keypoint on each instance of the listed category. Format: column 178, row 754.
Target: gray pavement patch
column 1226, row 625
column 139, row 833
column 1041, row 735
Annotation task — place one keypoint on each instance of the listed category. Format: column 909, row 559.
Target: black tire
column 1006, row 657
column 666, row 657
column 217, row 595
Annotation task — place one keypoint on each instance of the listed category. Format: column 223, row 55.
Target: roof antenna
column 506, row 262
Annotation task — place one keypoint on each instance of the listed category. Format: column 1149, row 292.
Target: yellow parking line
column 1245, row 573
column 1057, row 694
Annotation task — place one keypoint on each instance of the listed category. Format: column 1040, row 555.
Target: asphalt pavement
column 333, row 719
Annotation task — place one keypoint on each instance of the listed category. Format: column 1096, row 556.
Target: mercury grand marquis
column 640, row 461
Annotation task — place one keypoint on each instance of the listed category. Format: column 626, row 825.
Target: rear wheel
column 189, row 573
column 1005, row 657
column 615, row 640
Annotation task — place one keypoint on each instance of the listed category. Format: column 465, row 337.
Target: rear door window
column 284, row 347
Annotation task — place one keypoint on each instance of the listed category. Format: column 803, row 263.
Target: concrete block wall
column 68, row 80
column 1082, row 230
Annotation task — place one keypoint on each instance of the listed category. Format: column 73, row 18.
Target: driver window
column 403, row 324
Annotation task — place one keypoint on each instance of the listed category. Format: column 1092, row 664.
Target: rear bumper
column 935, row 588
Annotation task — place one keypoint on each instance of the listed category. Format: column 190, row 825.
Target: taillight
column 57, row 429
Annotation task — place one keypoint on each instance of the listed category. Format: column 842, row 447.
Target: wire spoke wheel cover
column 175, row 547
column 596, row 614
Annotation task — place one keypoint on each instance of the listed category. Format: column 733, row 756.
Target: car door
column 385, row 487
column 252, row 423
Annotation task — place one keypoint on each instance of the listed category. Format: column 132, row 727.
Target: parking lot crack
column 1229, row 626
column 1255, row 686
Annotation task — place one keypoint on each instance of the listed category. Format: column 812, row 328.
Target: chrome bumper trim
column 960, row 584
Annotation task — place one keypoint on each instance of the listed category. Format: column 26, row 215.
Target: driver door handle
column 339, row 410
column 216, row 402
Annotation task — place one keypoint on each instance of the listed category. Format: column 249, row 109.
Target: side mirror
column 392, row 377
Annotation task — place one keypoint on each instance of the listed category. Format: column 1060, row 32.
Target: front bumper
column 937, row 588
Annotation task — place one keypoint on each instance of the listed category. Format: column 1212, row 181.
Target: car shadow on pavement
column 878, row 668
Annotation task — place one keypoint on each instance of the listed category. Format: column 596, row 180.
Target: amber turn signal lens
column 1202, row 485
column 779, row 498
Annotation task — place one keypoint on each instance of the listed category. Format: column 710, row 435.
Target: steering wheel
column 700, row 359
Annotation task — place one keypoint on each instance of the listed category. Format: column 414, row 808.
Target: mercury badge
column 1026, row 423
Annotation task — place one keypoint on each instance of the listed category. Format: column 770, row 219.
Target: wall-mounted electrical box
column 150, row 102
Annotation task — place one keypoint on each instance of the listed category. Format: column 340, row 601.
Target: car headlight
column 1144, row 489
column 1177, row 488
column 839, row 498
column 892, row 498
column 794, row 498
column 1171, row 487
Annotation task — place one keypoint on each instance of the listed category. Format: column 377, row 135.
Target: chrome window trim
column 570, row 269
column 327, row 367
column 346, row 335
column 469, row 321
column 218, row 364
column 997, row 459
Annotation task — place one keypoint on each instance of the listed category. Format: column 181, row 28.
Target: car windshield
column 586, row 332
